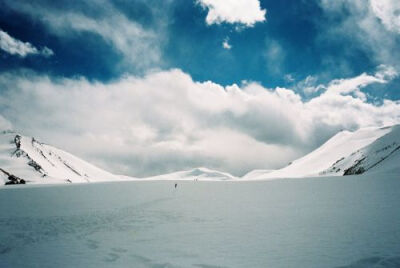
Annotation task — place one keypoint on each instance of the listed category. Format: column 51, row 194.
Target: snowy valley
column 26, row 160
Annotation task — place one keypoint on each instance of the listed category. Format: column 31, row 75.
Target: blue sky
column 299, row 50
column 294, row 29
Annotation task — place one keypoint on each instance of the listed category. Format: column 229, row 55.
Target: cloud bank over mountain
column 165, row 121
column 144, row 88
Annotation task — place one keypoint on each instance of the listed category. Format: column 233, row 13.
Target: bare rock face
column 19, row 152
column 12, row 179
column 17, row 141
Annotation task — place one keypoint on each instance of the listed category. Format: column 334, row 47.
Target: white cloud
column 225, row 44
column 355, row 84
column 244, row 12
column 385, row 72
column 352, row 85
column 16, row 47
column 388, row 11
column 165, row 121
column 371, row 26
column 345, row 86
column 309, row 85
column 139, row 47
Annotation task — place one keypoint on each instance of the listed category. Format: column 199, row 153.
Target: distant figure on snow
column 176, row 185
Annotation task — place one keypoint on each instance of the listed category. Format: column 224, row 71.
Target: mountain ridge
column 339, row 149
column 26, row 160
column 36, row 162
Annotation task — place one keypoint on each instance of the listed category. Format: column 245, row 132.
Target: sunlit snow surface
column 351, row 221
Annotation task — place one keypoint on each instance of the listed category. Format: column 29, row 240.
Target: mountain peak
column 36, row 162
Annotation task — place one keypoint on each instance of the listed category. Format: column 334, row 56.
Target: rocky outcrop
column 12, row 179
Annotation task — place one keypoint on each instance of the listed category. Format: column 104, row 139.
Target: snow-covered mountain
column 382, row 153
column 346, row 153
column 24, row 159
column 195, row 174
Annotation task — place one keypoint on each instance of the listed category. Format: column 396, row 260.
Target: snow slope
column 257, row 173
column 36, row 162
column 382, row 153
column 389, row 165
column 334, row 150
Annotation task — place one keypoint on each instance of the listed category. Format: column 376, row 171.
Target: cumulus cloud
column 244, row 12
column 16, row 47
column 165, row 121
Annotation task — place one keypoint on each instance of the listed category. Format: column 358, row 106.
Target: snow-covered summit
column 200, row 173
column 34, row 162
